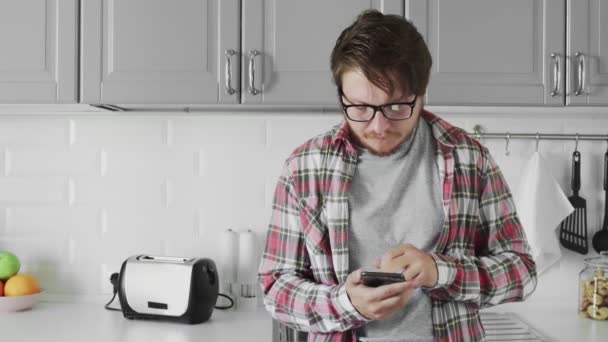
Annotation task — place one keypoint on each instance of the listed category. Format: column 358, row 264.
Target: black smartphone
column 378, row 278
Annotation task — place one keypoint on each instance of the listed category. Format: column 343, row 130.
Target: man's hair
column 387, row 49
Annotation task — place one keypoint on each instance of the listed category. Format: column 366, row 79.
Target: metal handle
column 252, row 55
column 580, row 90
column 228, row 71
column 556, row 78
column 606, row 173
column 576, row 172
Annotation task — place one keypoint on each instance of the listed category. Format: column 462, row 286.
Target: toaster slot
column 172, row 260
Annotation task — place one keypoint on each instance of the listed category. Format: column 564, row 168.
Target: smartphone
column 379, row 278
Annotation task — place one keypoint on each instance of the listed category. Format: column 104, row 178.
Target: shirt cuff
column 446, row 271
column 345, row 307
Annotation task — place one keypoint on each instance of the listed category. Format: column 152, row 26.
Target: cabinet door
column 493, row 52
column 38, row 58
column 588, row 65
column 158, row 51
column 294, row 39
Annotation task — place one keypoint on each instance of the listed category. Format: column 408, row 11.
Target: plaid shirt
column 482, row 255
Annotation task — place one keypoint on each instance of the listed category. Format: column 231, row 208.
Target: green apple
column 9, row 265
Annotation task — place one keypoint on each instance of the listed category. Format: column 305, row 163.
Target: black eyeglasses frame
column 380, row 108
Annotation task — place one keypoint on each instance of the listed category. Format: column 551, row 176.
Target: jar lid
column 601, row 261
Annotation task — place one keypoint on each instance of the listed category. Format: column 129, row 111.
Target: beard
column 393, row 137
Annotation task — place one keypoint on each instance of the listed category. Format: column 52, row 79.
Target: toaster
column 168, row 288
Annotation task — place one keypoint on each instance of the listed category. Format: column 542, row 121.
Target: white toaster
column 168, row 288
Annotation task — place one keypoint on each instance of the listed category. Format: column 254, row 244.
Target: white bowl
column 18, row 303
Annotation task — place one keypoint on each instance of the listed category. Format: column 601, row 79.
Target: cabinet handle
column 228, row 71
column 580, row 90
column 556, row 78
column 252, row 55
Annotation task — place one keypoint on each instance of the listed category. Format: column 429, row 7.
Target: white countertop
column 79, row 321
column 89, row 321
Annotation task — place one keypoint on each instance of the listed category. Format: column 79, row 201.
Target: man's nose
column 379, row 123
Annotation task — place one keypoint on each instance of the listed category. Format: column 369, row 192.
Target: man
column 397, row 188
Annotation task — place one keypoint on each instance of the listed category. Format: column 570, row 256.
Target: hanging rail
column 478, row 133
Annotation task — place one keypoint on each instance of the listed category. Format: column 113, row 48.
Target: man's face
column 380, row 136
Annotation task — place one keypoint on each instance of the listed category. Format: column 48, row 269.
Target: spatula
column 573, row 230
column 600, row 239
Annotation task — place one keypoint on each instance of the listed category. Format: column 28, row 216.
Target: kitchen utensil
column 573, row 230
column 600, row 239
column 18, row 303
column 593, row 288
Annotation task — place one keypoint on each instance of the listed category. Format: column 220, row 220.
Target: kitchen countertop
column 83, row 321
column 87, row 321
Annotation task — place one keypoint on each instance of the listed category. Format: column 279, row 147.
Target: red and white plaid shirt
column 482, row 255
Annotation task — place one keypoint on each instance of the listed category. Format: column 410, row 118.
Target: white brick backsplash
column 34, row 131
column 40, row 190
column 44, row 161
column 290, row 132
column 55, row 220
column 160, row 161
column 199, row 247
column 79, row 195
column 114, row 249
column 150, row 222
column 120, row 131
column 43, row 249
column 63, row 278
column 129, row 190
column 219, row 130
column 3, row 222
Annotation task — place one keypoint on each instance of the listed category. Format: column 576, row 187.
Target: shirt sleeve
column 290, row 293
column 505, row 270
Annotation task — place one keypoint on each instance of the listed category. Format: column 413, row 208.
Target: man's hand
column 377, row 302
column 418, row 267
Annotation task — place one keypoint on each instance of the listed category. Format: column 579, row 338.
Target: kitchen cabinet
column 587, row 80
column 38, row 62
column 214, row 52
column 517, row 52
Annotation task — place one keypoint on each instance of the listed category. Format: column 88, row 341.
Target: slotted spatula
column 573, row 230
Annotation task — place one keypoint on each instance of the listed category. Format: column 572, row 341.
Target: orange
column 21, row 284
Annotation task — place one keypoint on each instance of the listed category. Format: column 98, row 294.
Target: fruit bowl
column 18, row 303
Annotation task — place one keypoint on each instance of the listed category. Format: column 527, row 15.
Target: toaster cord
column 227, row 306
column 114, row 281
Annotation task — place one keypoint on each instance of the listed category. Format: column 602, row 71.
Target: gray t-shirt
column 397, row 199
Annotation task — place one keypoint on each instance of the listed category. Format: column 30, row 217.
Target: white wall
column 81, row 193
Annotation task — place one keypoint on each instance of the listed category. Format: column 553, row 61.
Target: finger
column 398, row 264
column 396, row 253
column 397, row 300
column 412, row 271
column 355, row 277
column 386, row 291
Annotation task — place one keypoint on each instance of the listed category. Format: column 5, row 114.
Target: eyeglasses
column 395, row 111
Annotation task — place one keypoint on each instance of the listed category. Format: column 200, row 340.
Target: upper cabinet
column 213, row 52
column 158, row 51
column 38, row 62
column 496, row 52
column 587, row 80
column 188, row 53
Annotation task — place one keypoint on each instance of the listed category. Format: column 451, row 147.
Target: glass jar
column 593, row 288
